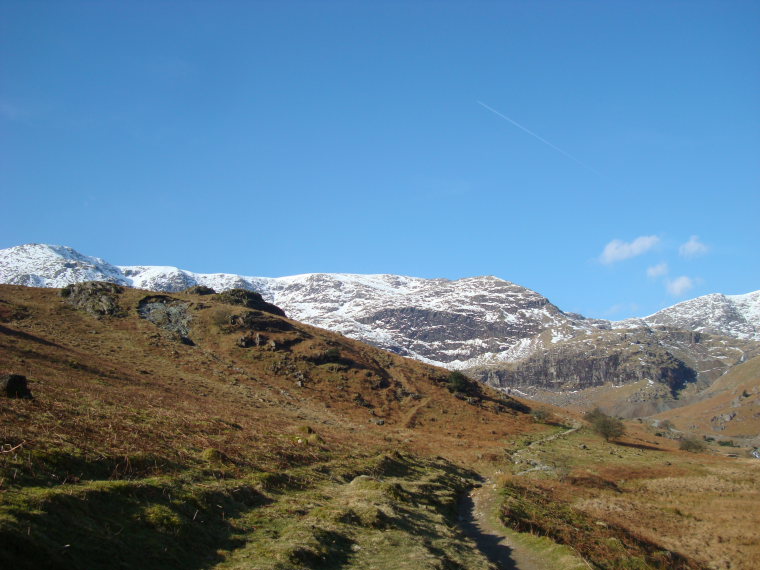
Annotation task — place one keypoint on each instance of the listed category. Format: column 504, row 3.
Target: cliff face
column 668, row 366
column 578, row 365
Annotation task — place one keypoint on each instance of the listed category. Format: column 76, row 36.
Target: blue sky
column 605, row 154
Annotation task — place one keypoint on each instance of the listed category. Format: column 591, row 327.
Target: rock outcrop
column 167, row 313
column 564, row 368
column 98, row 298
column 248, row 299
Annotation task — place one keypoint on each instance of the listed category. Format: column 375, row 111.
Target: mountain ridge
column 458, row 324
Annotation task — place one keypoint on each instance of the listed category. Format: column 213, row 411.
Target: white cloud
column 679, row 285
column 693, row 248
column 657, row 270
column 618, row 250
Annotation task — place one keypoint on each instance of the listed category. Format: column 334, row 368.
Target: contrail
column 543, row 140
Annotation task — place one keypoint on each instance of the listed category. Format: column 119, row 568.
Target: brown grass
column 116, row 387
column 736, row 396
column 700, row 506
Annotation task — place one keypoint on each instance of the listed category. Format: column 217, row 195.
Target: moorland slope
column 194, row 430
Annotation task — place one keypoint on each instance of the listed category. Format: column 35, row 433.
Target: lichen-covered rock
column 14, row 386
column 168, row 313
column 98, row 298
column 248, row 299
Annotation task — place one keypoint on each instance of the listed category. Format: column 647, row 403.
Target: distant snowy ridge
column 457, row 324
column 736, row 316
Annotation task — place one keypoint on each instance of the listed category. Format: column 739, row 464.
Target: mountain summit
column 737, row 316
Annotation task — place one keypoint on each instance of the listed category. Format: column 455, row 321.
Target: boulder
column 14, row 386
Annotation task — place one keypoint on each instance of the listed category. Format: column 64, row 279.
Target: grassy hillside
column 635, row 502
column 248, row 438
column 196, row 431
column 729, row 408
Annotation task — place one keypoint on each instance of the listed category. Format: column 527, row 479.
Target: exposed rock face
column 448, row 336
column 170, row 314
column 248, row 299
column 570, row 367
column 98, row 298
column 14, row 386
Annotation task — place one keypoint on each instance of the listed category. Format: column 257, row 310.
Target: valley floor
column 641, row 508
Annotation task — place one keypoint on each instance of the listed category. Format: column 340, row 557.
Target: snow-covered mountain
column 737, row 316
column 458, row 324
column 452, row 323
column 39, row 265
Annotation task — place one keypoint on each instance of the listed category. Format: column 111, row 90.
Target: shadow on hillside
column 27, row 336
column 128, row 526
column 490, row 544
column 639, row 446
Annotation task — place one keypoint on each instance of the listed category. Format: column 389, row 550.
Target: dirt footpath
column 478, row 519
